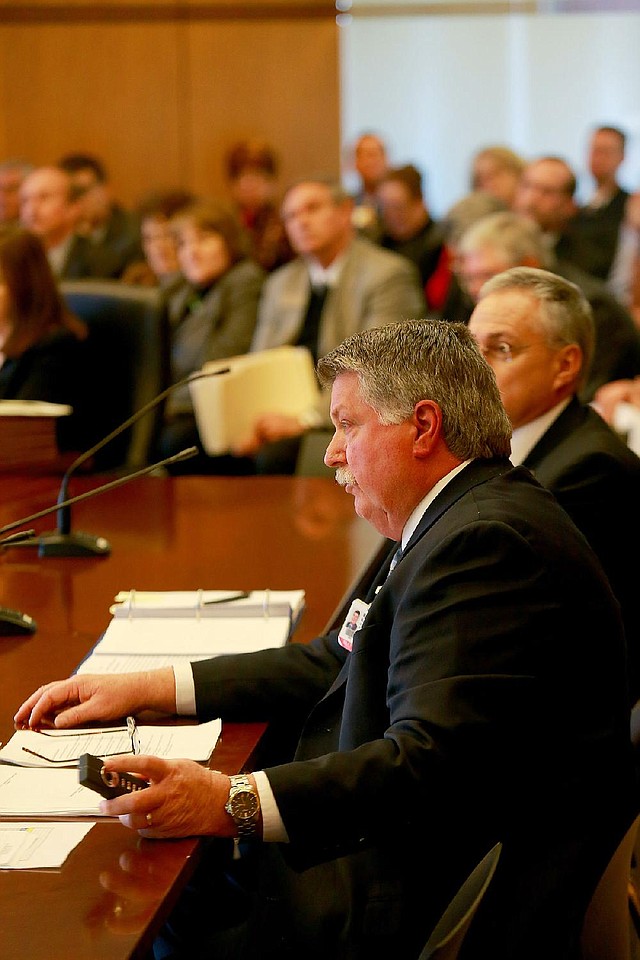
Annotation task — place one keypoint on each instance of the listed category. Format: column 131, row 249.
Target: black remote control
column 108, row 783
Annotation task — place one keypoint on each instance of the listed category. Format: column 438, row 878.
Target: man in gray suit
column 339, row 284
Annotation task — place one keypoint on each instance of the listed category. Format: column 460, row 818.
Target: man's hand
column 87, row 697
column 268, row 429
column 184, row 799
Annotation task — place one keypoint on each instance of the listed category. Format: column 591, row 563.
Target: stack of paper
column 45, row 793
column 62, row 748
column 151, row 630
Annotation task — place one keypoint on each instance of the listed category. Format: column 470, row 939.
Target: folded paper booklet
column 280, row 380
column 62, row 748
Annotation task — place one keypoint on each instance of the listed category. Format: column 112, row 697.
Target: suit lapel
column 474, row 474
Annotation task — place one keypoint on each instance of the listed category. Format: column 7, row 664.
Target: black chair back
column 127, row 354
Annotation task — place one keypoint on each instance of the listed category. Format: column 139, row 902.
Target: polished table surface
column 185, row 533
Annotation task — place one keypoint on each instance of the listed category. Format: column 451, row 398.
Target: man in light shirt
column 537, row 333
column 447, row 721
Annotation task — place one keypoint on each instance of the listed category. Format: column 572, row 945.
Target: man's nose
column 334, row 454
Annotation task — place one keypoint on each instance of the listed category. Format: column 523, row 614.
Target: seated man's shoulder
column 244, row 271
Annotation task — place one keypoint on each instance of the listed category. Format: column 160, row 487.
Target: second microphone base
column 72, row 545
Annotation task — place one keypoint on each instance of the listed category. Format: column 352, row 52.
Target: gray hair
column 402, row 363
column 465, row 212
column 516, row 238
column 565, row 313
column 338, row 193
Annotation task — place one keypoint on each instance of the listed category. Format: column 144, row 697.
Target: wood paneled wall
column 159, row 90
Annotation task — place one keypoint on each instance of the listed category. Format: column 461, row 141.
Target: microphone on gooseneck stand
column 62, row 542
column 25, row 537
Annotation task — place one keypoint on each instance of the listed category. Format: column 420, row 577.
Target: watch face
column 244, row 805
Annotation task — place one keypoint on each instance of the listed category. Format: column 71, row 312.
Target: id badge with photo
column 352, row 622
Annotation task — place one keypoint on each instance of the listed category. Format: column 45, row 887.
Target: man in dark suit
column 594, row 232
column 536, row 330
column 48, row 209
column 504, row 240
column 113, row 233
column 481, row 698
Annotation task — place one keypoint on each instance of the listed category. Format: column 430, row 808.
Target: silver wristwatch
column 243, row 805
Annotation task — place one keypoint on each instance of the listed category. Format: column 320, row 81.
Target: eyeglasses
column 502, row 352
column 71, row 751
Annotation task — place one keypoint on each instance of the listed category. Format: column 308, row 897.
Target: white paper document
column 98, row 662
column 189, row 635
column 39, row 846
column 59, row 748
column 27, row 792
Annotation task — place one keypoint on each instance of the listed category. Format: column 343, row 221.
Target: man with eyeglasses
column 504, row 240
column 536, row 331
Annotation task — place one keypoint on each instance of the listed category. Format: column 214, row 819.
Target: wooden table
column 115, row 890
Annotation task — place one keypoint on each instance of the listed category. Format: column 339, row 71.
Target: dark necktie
column 395, row 559
column 311, row 327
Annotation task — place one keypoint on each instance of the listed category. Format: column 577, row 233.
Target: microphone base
column 16, row 624
column 72, row 545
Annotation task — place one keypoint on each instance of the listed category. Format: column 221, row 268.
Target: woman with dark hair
column 41, row 342
column 212, row 315
column 251, row 167
column 160, row 268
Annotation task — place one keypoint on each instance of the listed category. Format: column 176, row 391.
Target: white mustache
column 344, row 476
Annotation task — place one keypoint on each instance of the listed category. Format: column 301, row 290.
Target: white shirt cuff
column 273, row 829
column 185, row 689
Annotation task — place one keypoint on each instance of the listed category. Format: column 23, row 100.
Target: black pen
column 228, row 599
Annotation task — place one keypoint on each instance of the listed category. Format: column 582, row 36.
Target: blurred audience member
column 41, row 343
column 536, row 331
column 212, row 315
column 112, row 231
column 624, row 279
column 160, row 268
column 338, row 284
column 497, row 170
column 610, row 395
column 545, row 194
column 252, row 171
column 408, row 228
column 12, row 173
column 595, row 229
column 506, row 240
column 446, row 298
column 48, row 210
column 371, row 163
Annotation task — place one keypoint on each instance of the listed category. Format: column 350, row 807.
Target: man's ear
column 569, row 362
column 427, row 418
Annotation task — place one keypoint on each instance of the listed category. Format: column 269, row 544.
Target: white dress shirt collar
column 418, row 512
column 524, row 439
column 325, row 276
